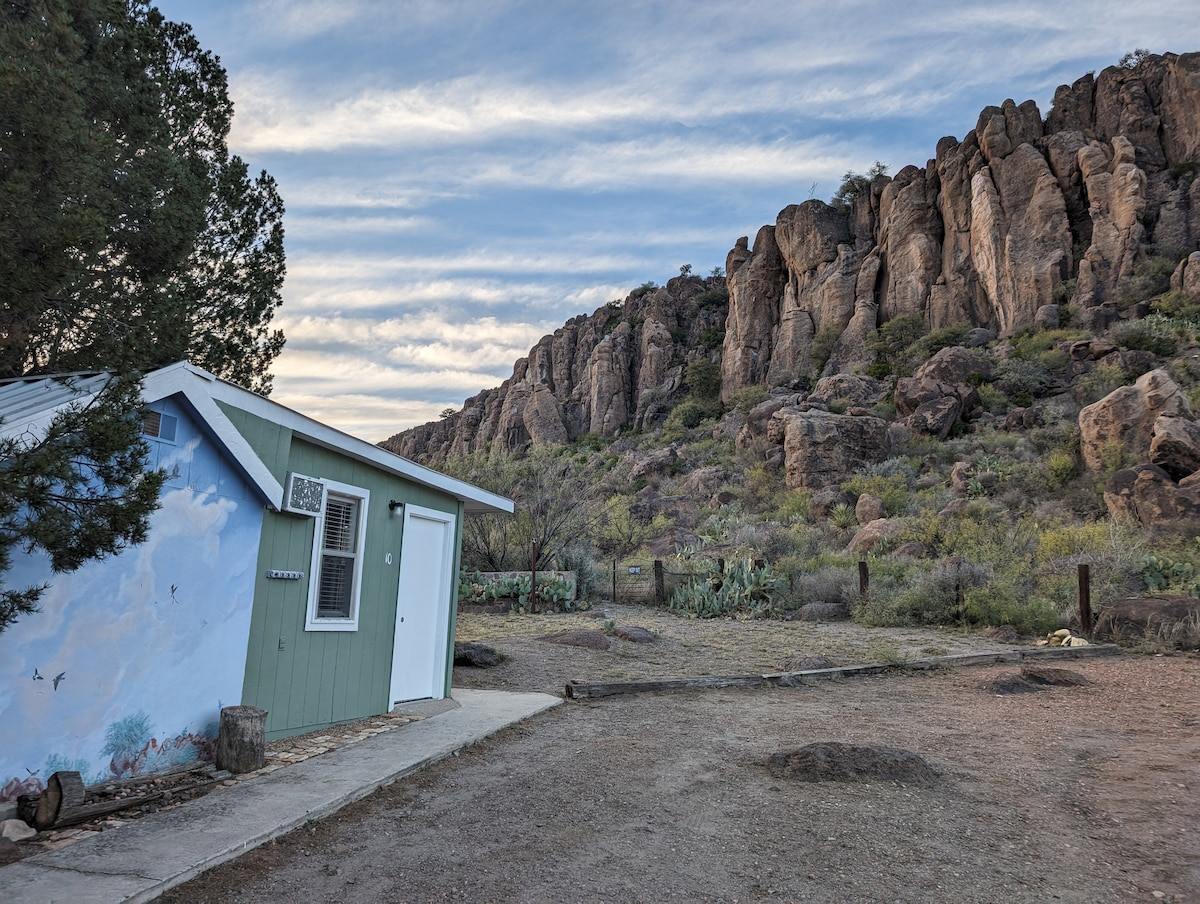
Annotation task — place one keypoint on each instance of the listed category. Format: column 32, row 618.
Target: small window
column 159, row 425
column 337, row 559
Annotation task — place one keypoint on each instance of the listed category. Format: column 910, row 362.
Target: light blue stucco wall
column 146, row 646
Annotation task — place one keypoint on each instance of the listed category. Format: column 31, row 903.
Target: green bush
column 711, row 298
column 1023, row 380
column 1150, row 334
column 823, row 344
column 703, row 380
column 1000, row 605
column 1099, row 382
column 936, row 340
column 749, row 396
column 892, row 490
column 689, row 414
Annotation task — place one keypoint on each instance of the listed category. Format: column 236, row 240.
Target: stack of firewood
column 66, row 801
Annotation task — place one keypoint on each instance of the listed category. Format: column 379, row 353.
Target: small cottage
column 289, row 566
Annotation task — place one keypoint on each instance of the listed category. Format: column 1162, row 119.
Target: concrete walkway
column 140, row 861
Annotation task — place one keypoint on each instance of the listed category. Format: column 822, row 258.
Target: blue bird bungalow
column 289, row 566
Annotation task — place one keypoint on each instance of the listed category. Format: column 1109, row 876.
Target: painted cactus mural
column 123, row 670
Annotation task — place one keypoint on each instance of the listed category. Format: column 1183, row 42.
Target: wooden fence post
column 1085, row 600
column 864, row 578
column 614, row 579
column 660, row 588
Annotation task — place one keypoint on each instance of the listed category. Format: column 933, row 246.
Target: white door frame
column 409, row 568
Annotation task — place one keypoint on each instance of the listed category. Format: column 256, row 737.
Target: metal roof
column 29, row 404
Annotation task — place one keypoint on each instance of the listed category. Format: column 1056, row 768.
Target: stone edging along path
column 578, row 689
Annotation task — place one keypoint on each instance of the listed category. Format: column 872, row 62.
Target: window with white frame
column 337, row 559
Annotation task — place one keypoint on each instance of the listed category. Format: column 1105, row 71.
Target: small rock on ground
column 16, row 830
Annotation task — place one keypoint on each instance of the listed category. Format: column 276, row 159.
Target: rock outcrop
column 1122, row 423
column 990, row 233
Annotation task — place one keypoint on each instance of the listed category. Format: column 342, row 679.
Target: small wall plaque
column 285, row 575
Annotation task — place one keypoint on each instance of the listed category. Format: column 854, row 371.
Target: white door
column 423, row 605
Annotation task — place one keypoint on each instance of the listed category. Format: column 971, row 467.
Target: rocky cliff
column 1024, row 213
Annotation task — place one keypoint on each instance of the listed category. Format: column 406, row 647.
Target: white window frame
column 312, row 622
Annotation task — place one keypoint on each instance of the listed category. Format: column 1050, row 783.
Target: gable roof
column 28, row 405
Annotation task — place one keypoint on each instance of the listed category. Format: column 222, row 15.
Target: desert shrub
column 794, row 505
column 842, row 516
column 1150, row 334
column 1055, row 360
column 930, row 597
column 1001, row 605
column 711, row 298
column 688, row 415
column 703, row 379
column 892, row 490
column 1060, row 468
column 1099, row 382
column 823, row 344
column 1149, row 278
column 830, row 584
column 1176, row 305
column 749, row 396
column 893, row 338
column 762, row 539
column 1031, row 345
column 855, row 185
column 644, row 289
column 936, row 340
column 994, row 401
column 1064, row 292
column 1023, row 380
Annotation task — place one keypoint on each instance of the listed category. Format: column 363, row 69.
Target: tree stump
column 242, row 744
column 64, row 793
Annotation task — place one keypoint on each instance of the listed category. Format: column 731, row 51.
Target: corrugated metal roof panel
column 28, row 404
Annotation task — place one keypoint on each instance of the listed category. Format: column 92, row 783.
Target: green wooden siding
column 309, row 679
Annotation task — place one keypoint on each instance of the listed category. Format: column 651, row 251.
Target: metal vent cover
column 303, row 495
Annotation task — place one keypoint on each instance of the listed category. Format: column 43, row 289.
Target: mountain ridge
column 999, row 231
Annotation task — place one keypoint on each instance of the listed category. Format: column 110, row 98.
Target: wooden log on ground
column 64, row 793
column 241, row 742
column 577, row 689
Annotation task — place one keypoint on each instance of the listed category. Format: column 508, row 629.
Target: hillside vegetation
column 976, row 375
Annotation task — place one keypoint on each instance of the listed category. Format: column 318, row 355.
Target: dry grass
column 689, row 647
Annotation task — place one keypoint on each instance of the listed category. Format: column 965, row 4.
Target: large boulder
column 1147, row 494
column 821, row 448
column 872, row 535
column 956, row 365
column 1133, row 618
column 1124, row 419
column 1175, row 445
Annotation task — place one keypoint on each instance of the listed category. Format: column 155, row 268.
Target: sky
column 461, row 178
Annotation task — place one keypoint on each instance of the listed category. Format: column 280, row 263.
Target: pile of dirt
column 831, row 761
column 1035, row 678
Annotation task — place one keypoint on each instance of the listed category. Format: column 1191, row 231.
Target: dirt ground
column 1076, row 794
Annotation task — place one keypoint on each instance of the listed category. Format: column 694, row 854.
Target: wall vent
column 303, row 495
